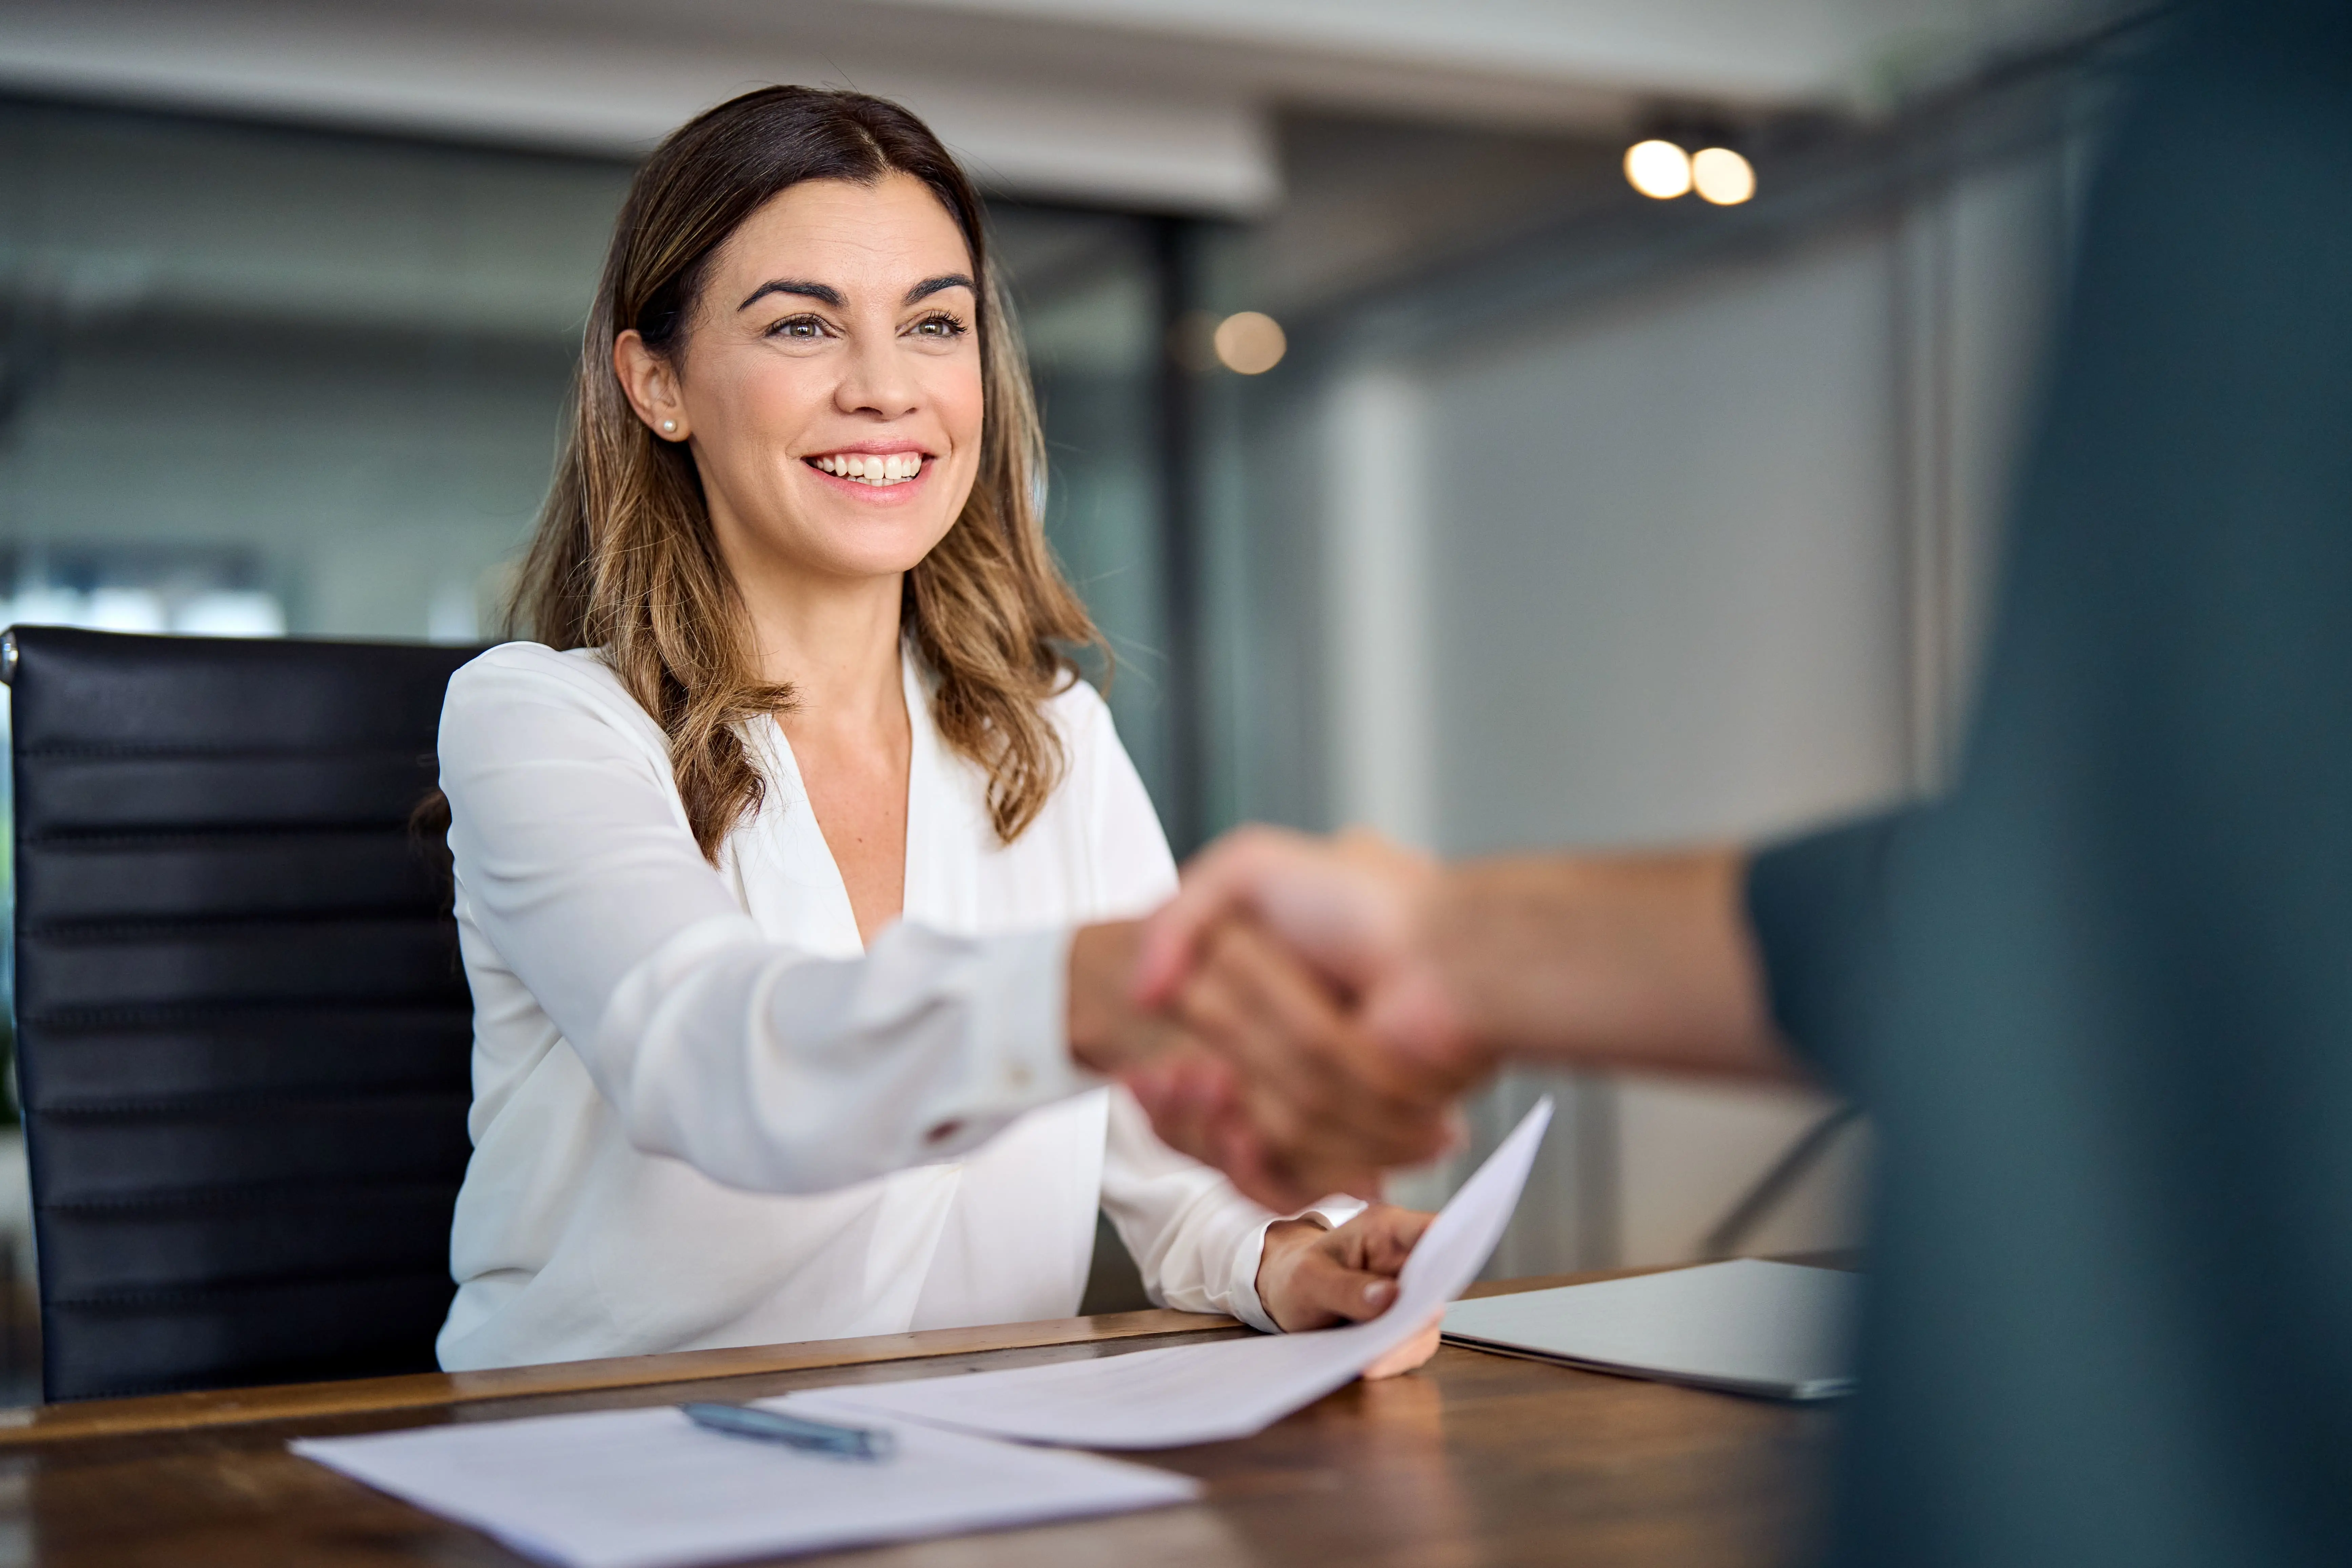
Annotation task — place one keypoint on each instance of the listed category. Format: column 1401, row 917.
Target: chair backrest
column 242, row 1029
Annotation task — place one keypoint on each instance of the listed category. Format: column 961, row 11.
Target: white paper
column 648, row 1488
column 1750, row 1326
column 1207, row 1393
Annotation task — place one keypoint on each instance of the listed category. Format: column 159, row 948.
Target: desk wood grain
column 84, row 1418
column 1476, row 1459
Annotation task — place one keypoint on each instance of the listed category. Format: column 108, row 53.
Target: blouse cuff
column 1028, row 1041
column 1246, row 1259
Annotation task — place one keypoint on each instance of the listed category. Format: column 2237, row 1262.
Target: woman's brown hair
column 624, row 560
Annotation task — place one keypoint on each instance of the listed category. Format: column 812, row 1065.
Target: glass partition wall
column 256, row 380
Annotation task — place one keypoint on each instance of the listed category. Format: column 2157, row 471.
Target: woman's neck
column 836, row 642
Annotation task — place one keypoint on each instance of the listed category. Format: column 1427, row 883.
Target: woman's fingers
column 1319, row 1290
column 1275, row 1038
column 1314, row 1278
column 1170, row 1090
column 1272, row 1179
column 1382, row 1237
column 1194, row 1109
column 1312, row 1104
column 1409, row 1354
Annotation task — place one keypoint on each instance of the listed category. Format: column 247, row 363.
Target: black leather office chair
column 242, row 1031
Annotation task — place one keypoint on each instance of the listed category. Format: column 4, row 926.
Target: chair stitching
column 330, row 1192
column 133, row 752
column 237, row 1105
column 330, row 1012
column 373, row 830
column 117, row 928
column 195, row 1294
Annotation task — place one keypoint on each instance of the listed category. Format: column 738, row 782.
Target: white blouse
column 704, row 1115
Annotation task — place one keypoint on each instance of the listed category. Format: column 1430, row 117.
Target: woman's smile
column 874, row 471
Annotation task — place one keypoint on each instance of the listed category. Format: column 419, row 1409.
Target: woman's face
column 829, row 383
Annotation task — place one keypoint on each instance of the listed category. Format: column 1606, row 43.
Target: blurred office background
column 1423, row 471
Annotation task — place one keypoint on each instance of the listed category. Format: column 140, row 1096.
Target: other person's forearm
column 1641, row 961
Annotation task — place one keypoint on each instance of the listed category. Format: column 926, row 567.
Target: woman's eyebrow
column 821, row 291
column 930, row 286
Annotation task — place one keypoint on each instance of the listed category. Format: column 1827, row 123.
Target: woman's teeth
column 896, row 468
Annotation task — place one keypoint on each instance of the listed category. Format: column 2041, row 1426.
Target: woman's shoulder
column 1129, row 853
column 1089, row 739
column 1079, row 713
column 517, row 677
column 519, row 668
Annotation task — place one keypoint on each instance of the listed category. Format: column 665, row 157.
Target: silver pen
column 794, row 1431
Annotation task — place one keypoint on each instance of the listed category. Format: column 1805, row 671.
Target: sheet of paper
column 1748, row 1325
column 1207, row 1393
column 648, row 1488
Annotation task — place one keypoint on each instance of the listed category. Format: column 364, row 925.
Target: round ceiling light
column 1722, row 176
column 1249, row 343
column 1659, row 170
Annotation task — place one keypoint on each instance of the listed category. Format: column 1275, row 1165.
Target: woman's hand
column 1311, row 1278
column 1108, row 1032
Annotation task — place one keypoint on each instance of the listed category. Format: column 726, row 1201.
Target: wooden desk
column 1476, row 1459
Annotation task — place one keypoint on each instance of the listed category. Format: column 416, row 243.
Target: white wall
column 1704, row 561
column 1665, row 585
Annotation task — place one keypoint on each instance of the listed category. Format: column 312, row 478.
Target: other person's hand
column 1283, row 1089
column 1312, row 1087
column 1311, row 1278
column 1354, row 908
column 1635, row 961
column 1249, row 999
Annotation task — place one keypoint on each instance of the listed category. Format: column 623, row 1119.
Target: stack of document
column 1748, row 1327
column 648, row 1488
column 1208, row 1393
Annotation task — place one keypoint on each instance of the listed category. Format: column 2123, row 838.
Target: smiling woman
column 823, row 264
column 794, row 866
column 836, row 421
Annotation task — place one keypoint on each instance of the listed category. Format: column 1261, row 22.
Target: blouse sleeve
column 764, row 1067
column 1195, row 1240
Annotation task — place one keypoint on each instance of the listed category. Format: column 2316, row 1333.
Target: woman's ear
column 651, row 386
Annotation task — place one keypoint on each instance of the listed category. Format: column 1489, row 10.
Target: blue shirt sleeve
column 1819, row 907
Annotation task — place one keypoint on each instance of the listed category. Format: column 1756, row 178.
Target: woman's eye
column 939, row 327
column 801, row 326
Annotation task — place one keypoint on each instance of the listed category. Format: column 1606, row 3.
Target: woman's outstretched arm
column 763, row 1066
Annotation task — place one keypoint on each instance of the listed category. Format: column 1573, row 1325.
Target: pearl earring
column 669, row 424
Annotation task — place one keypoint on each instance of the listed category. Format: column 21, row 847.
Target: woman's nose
column 878, row 380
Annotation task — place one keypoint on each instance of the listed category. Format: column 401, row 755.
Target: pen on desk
column 795, row 1431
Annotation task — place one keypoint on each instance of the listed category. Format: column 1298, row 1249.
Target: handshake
column 1306, row 1013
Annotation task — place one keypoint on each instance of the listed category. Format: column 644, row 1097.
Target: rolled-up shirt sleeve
column 763, row 1066
column 1819, row 908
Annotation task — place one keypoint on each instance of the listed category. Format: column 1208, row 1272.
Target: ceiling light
column 1249, row 343
column 1657, row 169
column 1722, row 176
